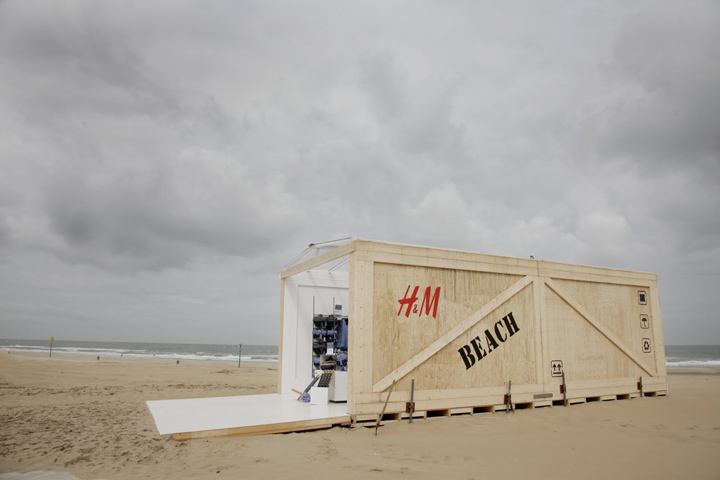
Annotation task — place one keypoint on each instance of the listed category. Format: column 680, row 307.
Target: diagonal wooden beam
column 614, row 339
column 458, row 330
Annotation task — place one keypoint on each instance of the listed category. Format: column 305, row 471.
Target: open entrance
column 315, row 321
column 313, row 347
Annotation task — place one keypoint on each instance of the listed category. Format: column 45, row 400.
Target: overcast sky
column 160, row 162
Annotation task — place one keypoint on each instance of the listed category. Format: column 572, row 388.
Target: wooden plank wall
column 589, row 318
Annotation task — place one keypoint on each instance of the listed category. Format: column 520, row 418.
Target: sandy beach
column 89, row 418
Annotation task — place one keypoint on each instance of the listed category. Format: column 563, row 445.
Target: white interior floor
column 201, row 414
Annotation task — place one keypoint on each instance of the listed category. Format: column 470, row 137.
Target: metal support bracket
column 508, row 399
column 410, row 406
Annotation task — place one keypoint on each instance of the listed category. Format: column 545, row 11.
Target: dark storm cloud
column 181, row 153
column 72, row 64
column 153, row 219
column 137, row 173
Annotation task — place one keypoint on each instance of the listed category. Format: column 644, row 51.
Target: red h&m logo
column 428, row 302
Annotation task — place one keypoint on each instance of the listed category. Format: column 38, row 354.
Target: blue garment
column 342, row 335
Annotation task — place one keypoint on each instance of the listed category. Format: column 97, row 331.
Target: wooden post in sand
column 239, row 354
column 379, row 418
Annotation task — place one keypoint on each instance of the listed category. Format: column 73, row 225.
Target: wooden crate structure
column 464, row 325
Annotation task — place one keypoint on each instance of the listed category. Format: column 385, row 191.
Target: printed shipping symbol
column 556, row 367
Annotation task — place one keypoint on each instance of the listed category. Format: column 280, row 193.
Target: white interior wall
column 300, row 291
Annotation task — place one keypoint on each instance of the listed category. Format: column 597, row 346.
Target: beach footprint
column 327, row 449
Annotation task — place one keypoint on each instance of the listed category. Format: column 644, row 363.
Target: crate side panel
column 506, row 357
column 401, row 331
column 585, row 352
column 360, row 331
column 617, row 308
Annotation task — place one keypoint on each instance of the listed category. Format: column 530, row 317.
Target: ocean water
column 179, row 351
column 695, row 356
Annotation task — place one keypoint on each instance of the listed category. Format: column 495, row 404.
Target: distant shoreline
column 693, row 370
column 135, row 359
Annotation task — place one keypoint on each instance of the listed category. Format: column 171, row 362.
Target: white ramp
column 243, row 415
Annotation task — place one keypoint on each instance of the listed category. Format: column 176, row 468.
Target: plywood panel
column 440, row 258
column 615, row 311
column 403, row 331
column 265, row 429
column 356, row 316
column 222, row 413
column 538, row 317
column 657, row 329
column 479, row 264
column 585, row 352
column 361, row 330
column 594, row 274
column 511, row 359
column 368, row 325
column 615, row 306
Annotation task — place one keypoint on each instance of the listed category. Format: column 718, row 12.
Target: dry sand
column 87, row 417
